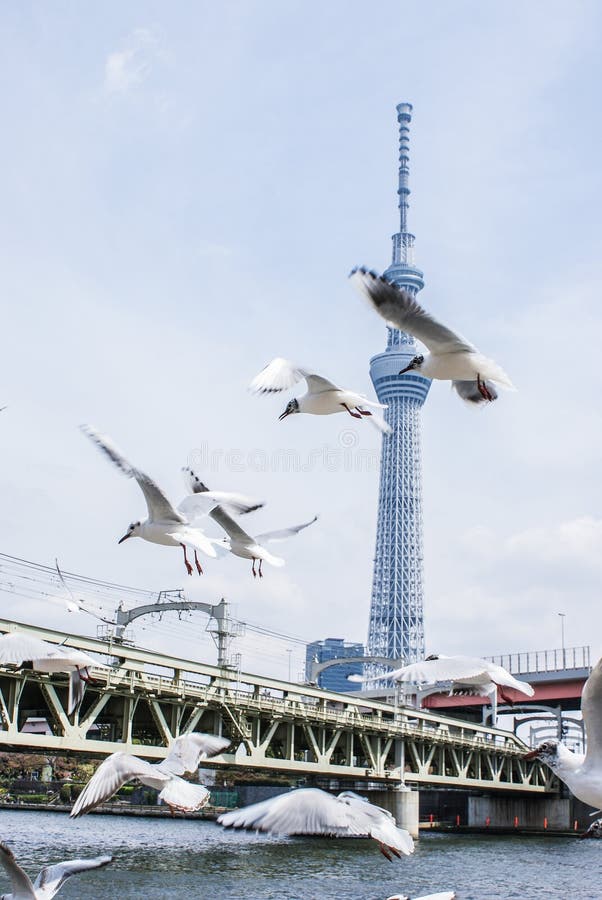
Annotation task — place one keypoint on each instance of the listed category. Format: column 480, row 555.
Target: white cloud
column 127, row 68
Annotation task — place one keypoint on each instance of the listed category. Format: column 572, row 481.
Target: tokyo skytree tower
column 396, row 627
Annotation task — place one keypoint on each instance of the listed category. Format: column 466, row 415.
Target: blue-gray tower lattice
column 396, row 612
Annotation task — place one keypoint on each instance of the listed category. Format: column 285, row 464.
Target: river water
column 157, row 859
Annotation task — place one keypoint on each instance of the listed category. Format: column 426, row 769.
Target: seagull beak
column 407, row 369
column 283, row 415
column 531, row 755
column 124, row 538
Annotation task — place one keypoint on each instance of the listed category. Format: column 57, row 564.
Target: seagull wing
column 52, row 878
column 283, row 533
column 21, row 885
column 380, row 824
column 77, row 689
column 115, row 771
column 159, row 507
column 398, row 307
column 304, row 811
column 232, row 529
column 318, row 385
column 443, row 668
column 189, row 749
column 591, row 708
column 501, row 676
column 279, row 375
column 202, row 500
column 17, row 647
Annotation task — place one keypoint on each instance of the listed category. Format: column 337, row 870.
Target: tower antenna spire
column 402, row 270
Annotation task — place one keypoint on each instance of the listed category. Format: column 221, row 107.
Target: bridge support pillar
column 402, row 803
column 520, row 812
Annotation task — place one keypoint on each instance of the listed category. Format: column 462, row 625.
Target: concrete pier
column 551, row 813
column 402, row 803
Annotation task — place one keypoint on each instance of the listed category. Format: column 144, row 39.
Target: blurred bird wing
column 17, row 647
column 77, row 689
column 591, row 708
column 115, row 771
column 189, row 749
column 318, row 385
column 401, row 309
column 380, row 824
column 444, row 668
column 279, row 375
column 304, row 811
column 283, row 533
column 22, row 888
column 52, row 878
column 503, row 677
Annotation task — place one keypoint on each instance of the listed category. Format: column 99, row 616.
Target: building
column 335, row 678
column 396, row 628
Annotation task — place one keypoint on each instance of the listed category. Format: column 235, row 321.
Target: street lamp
column 562, row 618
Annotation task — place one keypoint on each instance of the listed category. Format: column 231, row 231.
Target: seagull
column 313, row 811
column 582, row 773
column 451, row 357
column 239, row 543
column 19, row 649
column 323, row 398
column 477, row 676
column 164, row 525
column 184, row 756
column 49, row 881
column 442, row 895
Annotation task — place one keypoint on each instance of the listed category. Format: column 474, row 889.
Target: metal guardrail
column 532, row 661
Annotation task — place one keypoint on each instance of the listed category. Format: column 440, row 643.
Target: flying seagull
column 313, row 811
column 49, row 881
column 22, row 650
column 323, row 398
column 470, row 674
column 582, row 773
column 241, row 544
column 164, row 525
column 451, row 357
column 184, row 756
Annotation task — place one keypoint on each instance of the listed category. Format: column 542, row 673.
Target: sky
column 184, row 190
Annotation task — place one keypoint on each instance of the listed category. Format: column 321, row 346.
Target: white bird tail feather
column 184, row 794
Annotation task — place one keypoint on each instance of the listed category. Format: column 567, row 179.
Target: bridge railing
column 332, row 709
column 531, row 661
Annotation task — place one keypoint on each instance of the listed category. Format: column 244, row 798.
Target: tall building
column 396, row 627
column 334, row 679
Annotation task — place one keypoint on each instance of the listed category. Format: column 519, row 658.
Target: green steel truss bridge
column 147, row 699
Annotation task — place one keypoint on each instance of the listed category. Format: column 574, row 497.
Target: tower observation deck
column 396, row 627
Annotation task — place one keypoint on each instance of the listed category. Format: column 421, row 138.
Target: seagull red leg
column 260, row 572
column 199, row 567
column 186, row 563
column 355, row 415
column 253, row 568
